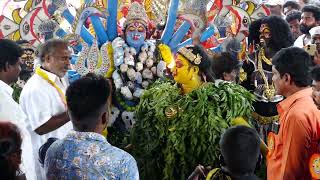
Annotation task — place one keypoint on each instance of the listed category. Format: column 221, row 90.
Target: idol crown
column 136, row 13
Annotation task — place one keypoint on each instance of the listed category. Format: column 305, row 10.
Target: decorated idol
column 134, row 61
column 136, row 66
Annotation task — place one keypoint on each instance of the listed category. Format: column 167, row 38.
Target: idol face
column 265, row 35
column 135, row 35
column 186, row 74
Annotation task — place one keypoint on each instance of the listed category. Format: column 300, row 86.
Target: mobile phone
column 311, row 49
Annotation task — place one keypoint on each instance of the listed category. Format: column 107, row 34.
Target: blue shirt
column 88, row 155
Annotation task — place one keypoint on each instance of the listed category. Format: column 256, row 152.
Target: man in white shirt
column 43, row 97
column 10, row 54
column 310, row 18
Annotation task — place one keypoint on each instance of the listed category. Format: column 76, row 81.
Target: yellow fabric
column 211, row 173
column 239, row 121
column 166, row 53
column 110, row 53
column 217, row 174
column 45, row 76
column 105, row 132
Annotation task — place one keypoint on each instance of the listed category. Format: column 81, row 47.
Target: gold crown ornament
column 136, row 13
column 187, row 53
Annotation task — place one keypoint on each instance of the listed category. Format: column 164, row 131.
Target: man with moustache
column 310, row 18
column 43, row 97
column 291, row 148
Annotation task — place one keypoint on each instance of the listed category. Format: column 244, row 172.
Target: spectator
column 240, row 149
column 315, row 73
column 291, row 148
column 293, row 18
column 226, row 67
column 275, row 7
column 302, row 3
column 10, row 53
column 10, row 152
column 43, row 97
column 315, row 39
column 85, row 152
column 310, row 18
column 290, row 5
column 27, row 58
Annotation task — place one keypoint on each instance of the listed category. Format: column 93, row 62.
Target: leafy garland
column 170, row 148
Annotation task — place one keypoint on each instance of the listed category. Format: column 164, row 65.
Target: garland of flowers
column 174, row 132
column 123, row 55
column 123, row 104
column 132, row 78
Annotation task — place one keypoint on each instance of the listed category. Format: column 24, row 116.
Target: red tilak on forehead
column 136, row 24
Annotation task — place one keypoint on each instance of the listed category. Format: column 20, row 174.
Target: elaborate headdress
column 136, row 13
column 197, row 56
column 188, row 54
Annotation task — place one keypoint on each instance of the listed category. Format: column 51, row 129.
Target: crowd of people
column 56, row 126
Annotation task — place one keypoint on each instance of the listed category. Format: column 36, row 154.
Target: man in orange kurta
column 298, row 137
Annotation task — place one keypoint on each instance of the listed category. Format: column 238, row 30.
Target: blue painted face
column 135, row 35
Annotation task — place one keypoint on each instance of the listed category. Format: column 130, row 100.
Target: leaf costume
column 175, row 131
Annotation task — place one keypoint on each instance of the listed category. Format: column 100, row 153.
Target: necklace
column 264, row 58
column 269, row 91
column 44, row 75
